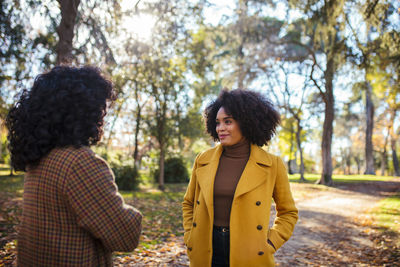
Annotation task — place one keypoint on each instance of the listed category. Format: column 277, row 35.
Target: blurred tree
column 244, row 42
column 164, row 68
column 287, row 140
column 385, row 82
column 291, row 101
column 12, row 34
column 65, row 30
column 348, row 132
column 205, row 82
column 327, row 48
column 377, row 17
column 84, row 29
column 13, row 45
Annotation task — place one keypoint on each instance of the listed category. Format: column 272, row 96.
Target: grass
column 11, row 184
column 387, row 216
column 338, row 178
column 162, row 213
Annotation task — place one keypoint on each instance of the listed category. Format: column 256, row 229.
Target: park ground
column 354, row 223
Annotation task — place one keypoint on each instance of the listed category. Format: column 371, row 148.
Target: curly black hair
column 255, row 114
column 65, row 106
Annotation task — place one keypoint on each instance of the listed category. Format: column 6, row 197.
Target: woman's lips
column 223, row 136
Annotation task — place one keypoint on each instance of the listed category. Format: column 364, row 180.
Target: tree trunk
column 394, row 157
column 358, row 161
column 65, row 31
column 348, row 163
column 326, row 177
column 393, row 141
column 242, row 9
column 327, row 132
column 343, row 162
column 161, row 136
column 178, row 119
column 383, row 162
column 137, row 129
column 108, row 143
column 384, row 152
column 290, row 169
column 298, row 137
column 369, row 153
column 1, row 143
column 161, row 166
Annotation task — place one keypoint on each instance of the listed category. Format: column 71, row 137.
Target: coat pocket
column 186, row 237
column 270, row 247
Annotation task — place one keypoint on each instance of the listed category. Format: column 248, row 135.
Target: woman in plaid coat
column 72, row 212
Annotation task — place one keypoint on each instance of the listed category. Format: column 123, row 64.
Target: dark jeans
column 220, row 257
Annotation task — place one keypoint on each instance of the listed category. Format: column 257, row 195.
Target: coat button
column 198, row 202
column 258, row 203
column 194, row 224
column 189, row 248
column 259, row 227
column 261, row 253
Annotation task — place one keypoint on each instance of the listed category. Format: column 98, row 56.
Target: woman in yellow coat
column 226, row 208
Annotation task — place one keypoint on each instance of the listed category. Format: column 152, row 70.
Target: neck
column 238, row 150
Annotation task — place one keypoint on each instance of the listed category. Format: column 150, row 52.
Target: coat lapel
column 206, row 176
column 255, row 172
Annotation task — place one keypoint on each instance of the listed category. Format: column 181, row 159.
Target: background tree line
column 332, row 68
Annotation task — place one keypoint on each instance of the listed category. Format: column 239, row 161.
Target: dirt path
column 333, row 230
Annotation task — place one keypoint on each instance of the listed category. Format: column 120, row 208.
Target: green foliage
column 126, row 177
column 199, row 146
column 309, row 164
column 174, row 171
column 287, row 137
column 4, row 155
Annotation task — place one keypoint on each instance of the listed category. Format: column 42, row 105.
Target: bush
column 126, row 177
column 174, row 171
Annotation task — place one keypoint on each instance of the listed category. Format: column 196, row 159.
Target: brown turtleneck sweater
column 230, row 168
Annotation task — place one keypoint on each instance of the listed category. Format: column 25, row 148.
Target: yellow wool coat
column 263, row 178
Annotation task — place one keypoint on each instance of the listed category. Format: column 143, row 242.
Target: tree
column 327, row 51
column 385, row 82
column 370, row 110
column 244, row 42
column 65, row 30
column 349, row 133
column 292, row 101
column 164, row 67
column 377, row 17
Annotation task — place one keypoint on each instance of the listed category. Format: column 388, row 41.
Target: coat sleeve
column 188, row 202
column 100, row 209
column 287, row 213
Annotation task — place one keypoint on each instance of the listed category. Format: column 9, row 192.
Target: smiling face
column 228, row 129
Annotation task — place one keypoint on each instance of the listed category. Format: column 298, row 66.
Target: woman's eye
column 228, row 121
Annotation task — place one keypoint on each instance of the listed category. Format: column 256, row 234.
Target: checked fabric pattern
column 73, row 214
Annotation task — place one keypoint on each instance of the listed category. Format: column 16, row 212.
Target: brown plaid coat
column 73, row 214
